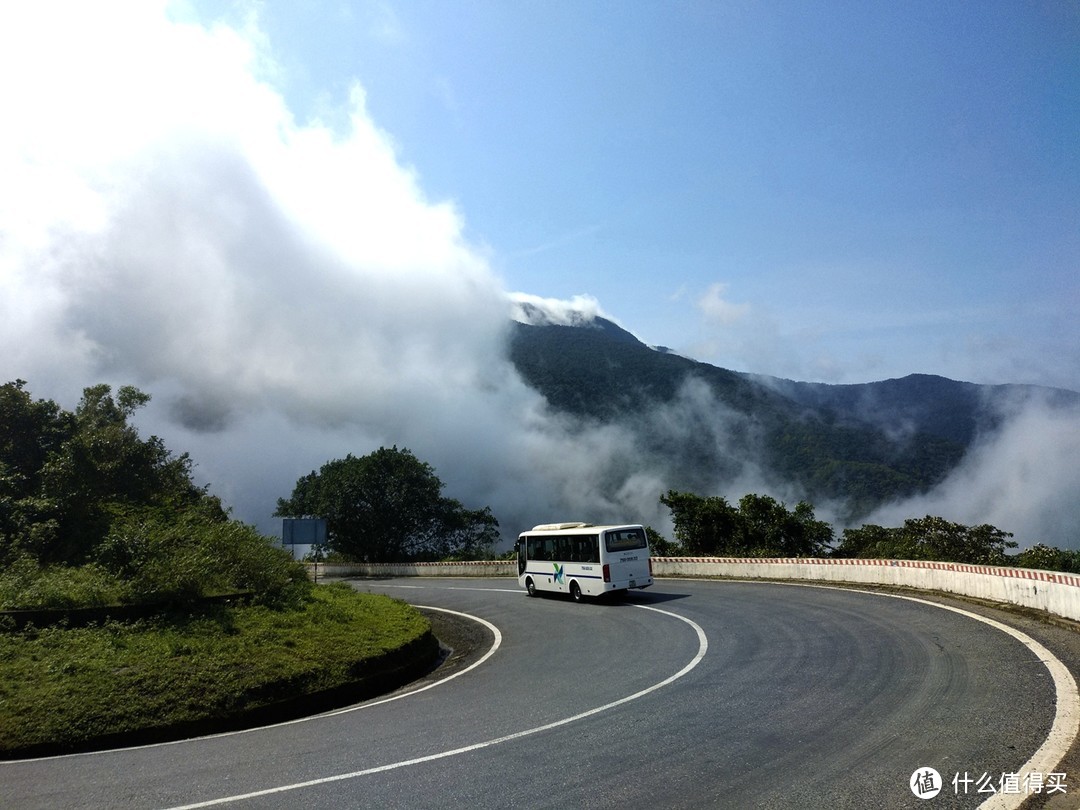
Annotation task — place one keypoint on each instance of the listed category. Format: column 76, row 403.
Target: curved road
column 691, row 694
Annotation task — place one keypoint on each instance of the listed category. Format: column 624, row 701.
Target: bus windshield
column 625, row 539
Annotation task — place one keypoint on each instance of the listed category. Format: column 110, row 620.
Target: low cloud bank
column 1023, row 478
column 287, row 294
column 284, row 290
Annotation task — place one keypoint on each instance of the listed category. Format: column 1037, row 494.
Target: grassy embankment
column 65, row 689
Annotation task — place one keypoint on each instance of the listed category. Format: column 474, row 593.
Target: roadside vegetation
column 92, row 513
column 63, row 688
column 229, row 627
column 203, row 623
column 388, row 506
column 760, row 526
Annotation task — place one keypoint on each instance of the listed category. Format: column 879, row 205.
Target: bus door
column 521, row 557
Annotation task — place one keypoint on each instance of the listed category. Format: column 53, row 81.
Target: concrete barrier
column 476, row 568
column 1048, row 591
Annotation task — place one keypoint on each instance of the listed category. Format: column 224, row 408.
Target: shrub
column 180, row 559
column 1048, row 558
column 26, row 584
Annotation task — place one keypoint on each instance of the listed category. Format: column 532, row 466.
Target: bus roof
column 558, row 527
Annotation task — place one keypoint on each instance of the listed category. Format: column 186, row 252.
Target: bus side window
column 535, row 548
column 562, row 548
column 594, row 548
column 587, row 547
column 579, row 549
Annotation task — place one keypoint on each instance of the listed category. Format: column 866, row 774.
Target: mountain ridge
column 863, row 444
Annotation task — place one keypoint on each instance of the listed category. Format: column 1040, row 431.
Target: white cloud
column 744, row 337
column 718, row 310
column 1023, row 479
column 536, row 310
column 287, row 292
column 182, row 224
column 165, row 221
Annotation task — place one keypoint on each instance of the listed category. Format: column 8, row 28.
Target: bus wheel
column 575, row 592
column 530, row 587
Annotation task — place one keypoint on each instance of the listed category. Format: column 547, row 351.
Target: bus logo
column 559, row 572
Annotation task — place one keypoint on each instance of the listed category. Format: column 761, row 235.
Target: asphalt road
column 691, row 694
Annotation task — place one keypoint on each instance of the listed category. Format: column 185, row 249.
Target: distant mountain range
column 859, row 445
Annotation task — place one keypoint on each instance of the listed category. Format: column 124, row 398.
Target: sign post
column 310, row 532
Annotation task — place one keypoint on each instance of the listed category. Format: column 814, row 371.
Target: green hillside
column 858, row 444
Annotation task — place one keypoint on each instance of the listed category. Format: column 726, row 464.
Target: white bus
column 583, row 560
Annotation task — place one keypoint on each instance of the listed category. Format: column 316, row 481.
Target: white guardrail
column 1049, row 591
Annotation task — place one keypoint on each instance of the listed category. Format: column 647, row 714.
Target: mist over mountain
column 857, row 452
column 924, row 403
column 288, row 291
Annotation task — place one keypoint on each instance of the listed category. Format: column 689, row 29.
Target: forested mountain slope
column 858, row 444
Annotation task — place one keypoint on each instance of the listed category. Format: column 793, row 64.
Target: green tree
column 29, row 433
column 102, row 469
column 760, row 526
column 659, row 545
column 88, row 507
column 703, row 525
column 63, row 475
column 928, row 538
column 985, row 545
column 1048, row 558
column 387, row 507
column 869, row 541
column 769, row 529
column 934, row 538
column 810, row 536
column 466, row 534
column 186, row 556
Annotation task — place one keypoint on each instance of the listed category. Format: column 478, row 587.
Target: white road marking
column 703, row 646
column 1066, row 723
column 358, row 707
column 1063, row 732
column 491, row 651
column 1066, row 716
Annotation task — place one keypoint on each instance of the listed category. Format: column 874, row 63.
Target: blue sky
column 300, row 227
column 838, row 191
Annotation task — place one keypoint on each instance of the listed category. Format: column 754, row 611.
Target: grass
column 67, row 689
column 26, row 585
